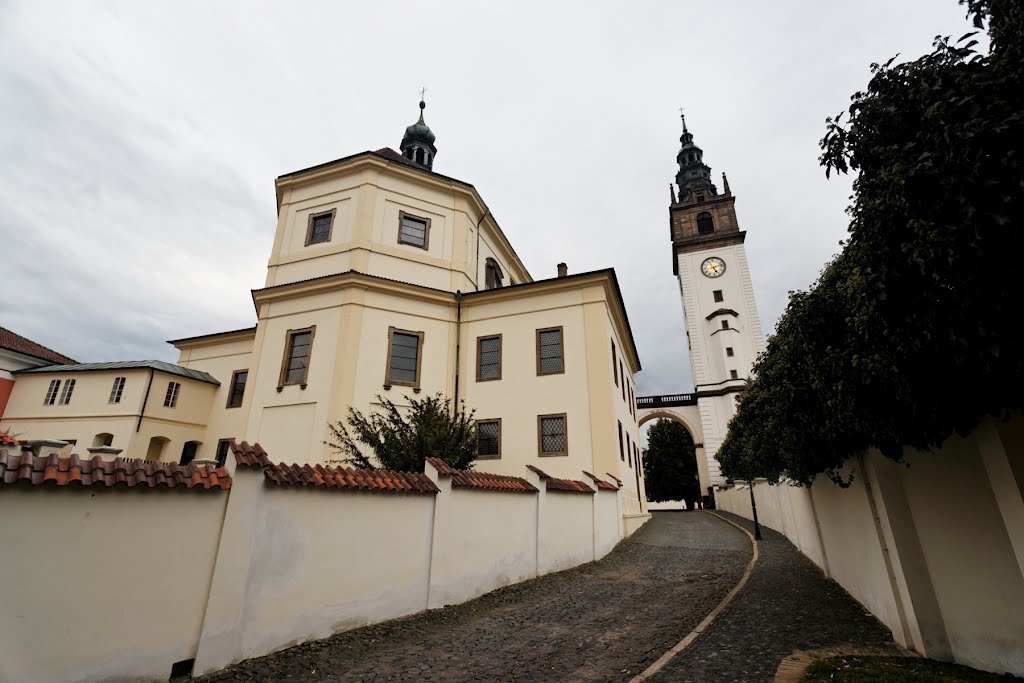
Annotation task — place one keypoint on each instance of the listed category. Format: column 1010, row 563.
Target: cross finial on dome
column 683, row 117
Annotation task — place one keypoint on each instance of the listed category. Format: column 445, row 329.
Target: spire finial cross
column 422, row 93
column 683, row 117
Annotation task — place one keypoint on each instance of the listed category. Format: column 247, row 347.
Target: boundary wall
column 112, row 575
column 933, row 546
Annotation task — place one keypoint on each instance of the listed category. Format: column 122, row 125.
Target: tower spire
column 418, row 142
column 694, row 176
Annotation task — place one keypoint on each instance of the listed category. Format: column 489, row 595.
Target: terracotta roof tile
column 482, row 480
column 601, row 483
column 564, row 485
column 15, row 342
column 617, row 480
column 386, row 481
column 249, row 456
column 137, row 473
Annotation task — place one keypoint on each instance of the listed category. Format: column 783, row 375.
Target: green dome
column 419, row 130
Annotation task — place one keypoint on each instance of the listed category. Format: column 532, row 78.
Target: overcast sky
column 139, row 142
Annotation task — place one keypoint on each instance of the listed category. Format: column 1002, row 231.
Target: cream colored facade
column 138, row 423
column 342, row 270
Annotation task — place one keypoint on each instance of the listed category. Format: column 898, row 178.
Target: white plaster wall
column 299, row 564
column 482, row 540
column 104, row 584
column 608, row 529
column 566, row 531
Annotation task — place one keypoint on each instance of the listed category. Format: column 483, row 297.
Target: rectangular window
column 65, row 396
column 636, row 454
column 51, row 392
column 116, row 390
column 733, row 374
column 413, row 230
column 320, row 226
column 622, row 453
column 171, row 398
column 488, row 438
column 629, row 451
column 718, row 296
column 552, row 435
column 404, row 358
column 725, row 324
column 488, row 358
column 631, row 399
column 549, row 351
column 236, row 392
column 297, row 349
column 222, row 451
column 623, row 373
column 728, row 351
column 615, row 367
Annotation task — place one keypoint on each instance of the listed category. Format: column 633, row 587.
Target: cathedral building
column 385, row 278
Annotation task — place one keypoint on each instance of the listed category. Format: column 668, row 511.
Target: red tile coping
column 601, row 483
column 482, row 480
column 249, row 456
column 617, row 480
column 564, row 485
column 386, row 481
column 137, row 473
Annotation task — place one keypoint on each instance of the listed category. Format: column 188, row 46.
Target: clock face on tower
column 712, row 267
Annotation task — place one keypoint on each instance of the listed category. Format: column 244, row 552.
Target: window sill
column 553, row 455
column 487, row 457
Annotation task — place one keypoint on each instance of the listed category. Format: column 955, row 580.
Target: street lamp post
column 753, row 508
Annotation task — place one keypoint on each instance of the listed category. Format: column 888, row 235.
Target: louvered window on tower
column 705, row 224
column 549, row 351
column 404, row 358
column 488, row 438
column 552, row 435
column 489, row 357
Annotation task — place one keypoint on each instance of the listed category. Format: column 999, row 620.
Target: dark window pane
column 321, row 229
column 488, row 435
column 238, row 389
column 414, row 232
column 551, row 351
column 404, row 351
column 298, row 357
column 490, row 358
column 705, row 224
column 51, row 392
column 552, row 435
column 222, row 452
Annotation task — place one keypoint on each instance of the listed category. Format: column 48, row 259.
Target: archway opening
column 155, row 451
column 670, row 465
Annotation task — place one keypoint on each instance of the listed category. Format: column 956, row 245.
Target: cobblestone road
column 787, row 605
column 605, row 621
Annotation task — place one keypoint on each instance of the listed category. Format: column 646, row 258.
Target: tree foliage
column 403, row 440
column 670, row 463
column 909, row 334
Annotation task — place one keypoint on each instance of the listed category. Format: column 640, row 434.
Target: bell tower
column 723, row 329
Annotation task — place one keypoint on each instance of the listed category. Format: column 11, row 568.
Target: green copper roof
column 169, row 368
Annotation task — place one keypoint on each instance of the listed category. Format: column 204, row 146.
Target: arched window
column 492, row 275
column 705, row 225
column 419, row 155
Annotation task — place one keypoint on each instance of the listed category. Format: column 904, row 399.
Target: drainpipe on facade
column 145, row 400
column 458, row 346
column 476, row 281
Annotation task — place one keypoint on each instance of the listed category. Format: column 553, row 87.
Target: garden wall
column 934, row 547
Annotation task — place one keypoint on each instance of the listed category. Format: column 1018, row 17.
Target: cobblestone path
column 787, row 605
column 604, row 621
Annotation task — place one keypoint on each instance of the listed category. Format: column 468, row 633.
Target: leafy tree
column 670, row 463
column 909, row 334
column 403, row 440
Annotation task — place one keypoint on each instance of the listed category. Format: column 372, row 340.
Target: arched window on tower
column 419, row 155
column 705, row 225
column 492, row 275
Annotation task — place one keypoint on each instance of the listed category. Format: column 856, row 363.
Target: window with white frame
column 51, row 393
column 116, row 390
column 65, row 396
column 171, row 398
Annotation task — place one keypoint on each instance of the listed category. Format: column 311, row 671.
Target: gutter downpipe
column 138, row 425
column 458, row 345
column 476, row 283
